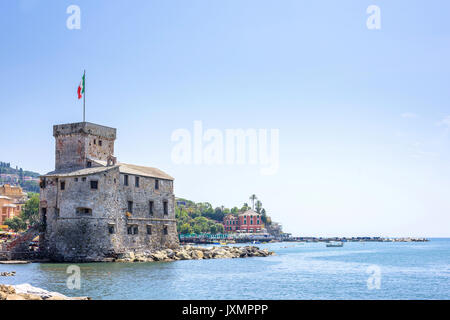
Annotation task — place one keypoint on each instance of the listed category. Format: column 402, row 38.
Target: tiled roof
column 249, row 213
column 78, row 172
column 123, row 168
column 143, row 171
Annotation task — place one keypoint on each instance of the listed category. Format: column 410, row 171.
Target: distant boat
column 256, row 242
column 335, row 244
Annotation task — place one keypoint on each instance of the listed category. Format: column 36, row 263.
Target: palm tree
column 258, row 206
column 253, row 197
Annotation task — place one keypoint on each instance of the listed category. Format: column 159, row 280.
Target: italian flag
column 81, row 87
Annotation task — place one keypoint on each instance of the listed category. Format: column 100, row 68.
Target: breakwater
column 195, row 253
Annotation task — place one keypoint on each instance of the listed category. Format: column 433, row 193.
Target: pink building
column 231, row 223
column 247, row 222
column 250, row 222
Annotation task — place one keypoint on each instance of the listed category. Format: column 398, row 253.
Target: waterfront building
column 231, row 223
column 247, row 222
column 93, row 208
column 9, row 208
column 14, row 192
column 250, row 222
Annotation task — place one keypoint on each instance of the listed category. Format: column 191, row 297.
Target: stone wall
column 76, row 142
column 76, row 235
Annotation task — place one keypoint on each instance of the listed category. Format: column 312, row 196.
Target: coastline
column 27, row 292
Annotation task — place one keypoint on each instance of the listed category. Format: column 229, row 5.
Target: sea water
column 359, row 270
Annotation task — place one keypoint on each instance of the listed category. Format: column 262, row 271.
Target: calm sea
column 298, row 271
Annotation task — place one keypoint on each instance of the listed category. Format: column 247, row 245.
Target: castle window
column 76, row 179
column 136, row 182
column 83, row 179
column 44, row 217
column 166, row 209
column 100, row 143
column 165, row 230
column 95, row 141
column 149, row 229
column 57, row 212
column 63, row 185
column 111, row 229
column 125, row 180
column 89, row 164
column 130, row 206
column 150, row 207
column 84, row 211
column 156, row 184
column 94, row 185
column 132, row 230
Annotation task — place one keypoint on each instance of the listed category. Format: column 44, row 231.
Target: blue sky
column 364, row 140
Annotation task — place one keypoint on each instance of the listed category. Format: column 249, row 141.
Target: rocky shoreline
column 28, row 292
column 195, row 253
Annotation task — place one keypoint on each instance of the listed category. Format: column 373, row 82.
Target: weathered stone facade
column 94, row 209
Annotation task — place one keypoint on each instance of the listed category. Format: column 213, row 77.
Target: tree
column 245, row 207
column 220, row 228
column 186, row 228
column 253, row 197
column 16, row 224
column 30, row 212
column 258, row 206
column 263, row 215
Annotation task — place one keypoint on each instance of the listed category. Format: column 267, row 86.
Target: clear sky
column 363, row 115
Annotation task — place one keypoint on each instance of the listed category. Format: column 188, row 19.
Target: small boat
column 335, row 244
column 256, row 242
column 223, row 243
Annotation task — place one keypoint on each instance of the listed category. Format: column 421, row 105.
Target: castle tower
column 77, row 144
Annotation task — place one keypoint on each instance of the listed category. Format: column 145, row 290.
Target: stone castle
column 93, row 208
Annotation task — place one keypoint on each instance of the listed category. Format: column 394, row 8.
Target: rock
column 183, row 255
column 14, row 297
column 30, row 296
column 218, row 253
column 159, row 256
column 56, row 298
column 7, row 289
column 3, row 295
column 170, row 253
column 197, row 254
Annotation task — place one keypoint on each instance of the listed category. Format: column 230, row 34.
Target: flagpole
column 84, row 97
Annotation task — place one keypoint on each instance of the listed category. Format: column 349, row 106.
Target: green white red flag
column 81, row 87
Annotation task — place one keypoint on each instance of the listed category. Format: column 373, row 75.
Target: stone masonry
column 93, row 208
